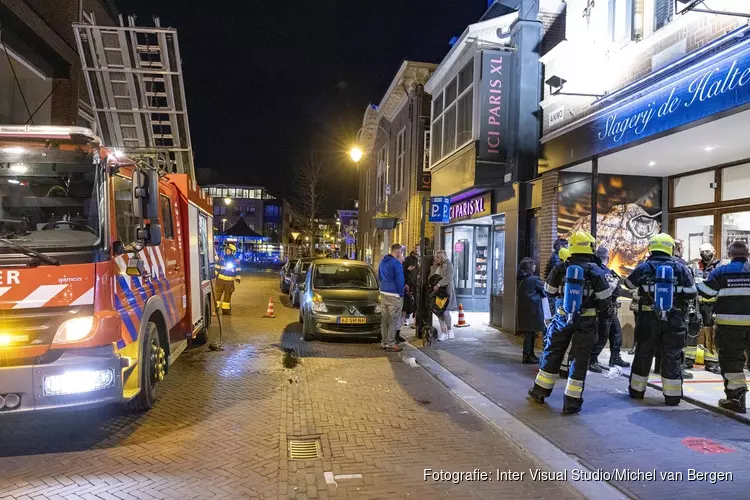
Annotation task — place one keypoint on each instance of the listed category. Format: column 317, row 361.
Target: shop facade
column 484, row 149
column 661, row 146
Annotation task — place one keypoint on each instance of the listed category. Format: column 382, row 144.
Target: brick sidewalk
column 613, row 431
column 221, row 428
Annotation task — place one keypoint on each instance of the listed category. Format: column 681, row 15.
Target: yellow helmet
column 564, row 254
column 581, row 242
column 230, row 248
column 661, row 242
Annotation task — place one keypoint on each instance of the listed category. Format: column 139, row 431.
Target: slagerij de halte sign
column 493, row 105
column 712, row 86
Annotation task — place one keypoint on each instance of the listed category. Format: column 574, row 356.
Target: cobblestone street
column 222, row 426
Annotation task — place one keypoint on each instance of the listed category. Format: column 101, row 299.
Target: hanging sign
column 440, row 209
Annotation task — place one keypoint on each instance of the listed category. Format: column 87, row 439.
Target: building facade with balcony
column 393, row 136
column 645, row 112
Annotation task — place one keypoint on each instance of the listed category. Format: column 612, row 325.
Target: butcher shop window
column 695, row 189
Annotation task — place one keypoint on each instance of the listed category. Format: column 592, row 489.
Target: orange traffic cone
column 461, row 318
column 269, row 311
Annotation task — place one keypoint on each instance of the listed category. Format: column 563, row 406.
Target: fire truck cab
column 105, row 269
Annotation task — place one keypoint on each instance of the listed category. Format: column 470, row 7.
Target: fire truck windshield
column 52, row 206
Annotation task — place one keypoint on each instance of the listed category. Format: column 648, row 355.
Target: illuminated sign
column 439, row 209
column 714, row 85
column 493, row 104
column 471, row 208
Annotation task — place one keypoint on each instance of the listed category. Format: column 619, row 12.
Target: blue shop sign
column 440, row 207
column 713, row 86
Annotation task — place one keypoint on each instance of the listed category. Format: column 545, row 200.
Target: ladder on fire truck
column 135, row 84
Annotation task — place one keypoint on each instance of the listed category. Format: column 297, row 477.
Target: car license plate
column 353, row 321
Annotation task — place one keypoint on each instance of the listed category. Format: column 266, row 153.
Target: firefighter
column 661, row 323
column 691, row 317
column 227, row 273
column 609, row 326
column 564, row 255
column 706, row 336
column 730, row 286
column 575, row 320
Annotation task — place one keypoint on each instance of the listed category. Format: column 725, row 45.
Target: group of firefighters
column 668, row 325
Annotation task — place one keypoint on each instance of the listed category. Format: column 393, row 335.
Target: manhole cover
column 304, row 449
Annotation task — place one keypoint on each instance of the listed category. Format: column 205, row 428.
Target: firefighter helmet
column 230, row 248
column 564, row 254
column 661, row 242
column 581, row 242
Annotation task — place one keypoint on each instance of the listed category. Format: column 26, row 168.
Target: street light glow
column 356, row 154
column 227, row 200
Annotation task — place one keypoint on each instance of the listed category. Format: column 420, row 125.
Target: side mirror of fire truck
column 146, row 206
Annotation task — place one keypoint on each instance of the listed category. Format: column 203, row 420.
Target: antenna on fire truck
column 135, row 84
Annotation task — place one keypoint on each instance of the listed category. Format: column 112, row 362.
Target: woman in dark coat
column 530, row 317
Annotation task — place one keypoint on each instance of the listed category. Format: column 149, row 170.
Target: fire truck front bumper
column 78, row 378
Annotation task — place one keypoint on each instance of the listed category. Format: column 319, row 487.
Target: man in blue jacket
column 391, row 277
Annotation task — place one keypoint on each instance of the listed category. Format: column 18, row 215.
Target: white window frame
column 613, row 20
column 437, row 158
column 400, row 160
column 381, row 174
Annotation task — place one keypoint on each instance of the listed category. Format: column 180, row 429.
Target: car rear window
column 344, row 276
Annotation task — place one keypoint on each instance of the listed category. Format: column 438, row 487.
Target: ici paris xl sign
column 493, row 104
column 709, row 87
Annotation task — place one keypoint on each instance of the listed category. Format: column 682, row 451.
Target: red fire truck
column 105, row 269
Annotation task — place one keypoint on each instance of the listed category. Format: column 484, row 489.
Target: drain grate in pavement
column 307, row 449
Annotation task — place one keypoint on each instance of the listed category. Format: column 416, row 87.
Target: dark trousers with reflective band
column 224, row 291
column 609, row 329
column 581, row 336
column 652, row 333
column 733, row 341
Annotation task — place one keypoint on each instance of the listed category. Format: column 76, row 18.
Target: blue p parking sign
column 440, row 207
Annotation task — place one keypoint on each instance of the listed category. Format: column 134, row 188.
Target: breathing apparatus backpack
column 573, row 291
column 663, row 283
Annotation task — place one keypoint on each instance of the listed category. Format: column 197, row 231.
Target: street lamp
column 223, row 225
column 356, row 154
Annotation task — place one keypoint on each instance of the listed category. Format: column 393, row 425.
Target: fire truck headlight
column 74, row 330
column 79, row 381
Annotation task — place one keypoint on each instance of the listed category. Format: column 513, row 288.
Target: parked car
column 297, row 275
column 339, row 297
column 285, row 276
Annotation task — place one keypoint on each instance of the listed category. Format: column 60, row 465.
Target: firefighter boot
column 616, row 360
column 226, row 308
column 533, row 394
column 571, row 406
column 736, row 405
column 594, row 366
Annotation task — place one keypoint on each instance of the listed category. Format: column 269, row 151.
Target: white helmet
column 707, row 247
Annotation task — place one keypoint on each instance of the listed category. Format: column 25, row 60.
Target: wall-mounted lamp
column 556, row 85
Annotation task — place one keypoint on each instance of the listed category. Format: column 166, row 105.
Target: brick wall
column 553, row 27
column 550, row 181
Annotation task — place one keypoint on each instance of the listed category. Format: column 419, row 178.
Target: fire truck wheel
column 153, row 368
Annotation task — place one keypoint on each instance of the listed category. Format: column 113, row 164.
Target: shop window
column 735, row 182
column 734, row 226
column 498, row 258
column 463, row 268
column 400, row 160
column 694, row 189
column 694, row 231
column 481, row 261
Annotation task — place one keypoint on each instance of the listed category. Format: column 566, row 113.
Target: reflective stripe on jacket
column 729, row 285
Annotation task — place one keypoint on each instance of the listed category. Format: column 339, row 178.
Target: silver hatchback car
column 339, row 297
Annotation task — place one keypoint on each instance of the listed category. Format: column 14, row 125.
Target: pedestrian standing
column 530, row 317
column 659, row 324
column 577, row 326
column 391, row 278
column 411, row 275
column 730, row 285
column 707, row 336
column 444, row 268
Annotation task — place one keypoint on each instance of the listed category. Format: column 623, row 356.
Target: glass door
column 462, row 258
column 694, row 231
column 481, row 261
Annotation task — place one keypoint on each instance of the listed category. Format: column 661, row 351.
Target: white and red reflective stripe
column 3, row 290
column 39, row 297
column 159, row 270
column 85, row 299
column 146, row 264
column 161, row 261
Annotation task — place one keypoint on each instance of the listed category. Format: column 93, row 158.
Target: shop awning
column 240, row 229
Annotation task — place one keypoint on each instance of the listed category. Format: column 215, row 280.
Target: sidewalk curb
column 518, row 432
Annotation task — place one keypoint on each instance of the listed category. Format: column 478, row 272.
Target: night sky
column 267, row 80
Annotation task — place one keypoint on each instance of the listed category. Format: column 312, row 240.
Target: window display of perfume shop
column 469, row 241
